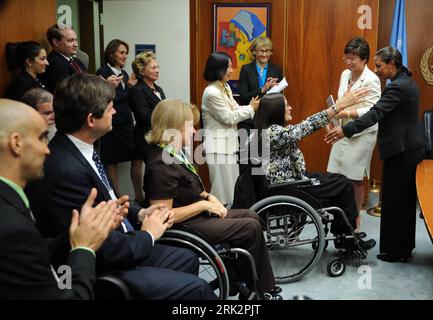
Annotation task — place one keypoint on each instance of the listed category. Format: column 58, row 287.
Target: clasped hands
column 215, row 207
column 156, row 219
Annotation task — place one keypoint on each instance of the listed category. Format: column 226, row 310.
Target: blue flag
column 398, row 33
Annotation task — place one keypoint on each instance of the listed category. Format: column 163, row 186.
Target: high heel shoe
column 393, row 258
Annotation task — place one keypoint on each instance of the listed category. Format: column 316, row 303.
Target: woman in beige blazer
column 221, row 114
column 351, row 157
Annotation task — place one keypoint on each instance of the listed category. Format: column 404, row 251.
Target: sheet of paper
column 279, row 87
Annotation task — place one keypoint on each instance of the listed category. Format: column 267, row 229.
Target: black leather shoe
column 275, row 290
column 367, row 244
column 392, row 258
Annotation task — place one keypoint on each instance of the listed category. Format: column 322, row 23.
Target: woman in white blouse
column 221, row 114
column 352, row 157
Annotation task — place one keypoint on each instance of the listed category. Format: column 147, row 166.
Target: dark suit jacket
column 123, row 114
column 143, row 100
column 20, row 84
column 58, row 70
column 66, row 184
column 397, row 114
column 25, row 257
column 249, row 86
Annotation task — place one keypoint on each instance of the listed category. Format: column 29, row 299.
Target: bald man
column 25, row 258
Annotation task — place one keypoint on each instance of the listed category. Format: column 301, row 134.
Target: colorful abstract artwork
column 235, row 27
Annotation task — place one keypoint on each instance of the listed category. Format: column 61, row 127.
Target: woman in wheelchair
column 284, row 161
column 171, row 179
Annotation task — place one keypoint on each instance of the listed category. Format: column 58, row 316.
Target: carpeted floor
column 376, row 280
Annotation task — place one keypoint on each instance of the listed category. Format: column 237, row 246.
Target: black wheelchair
column 297, row 225
column 215, row 267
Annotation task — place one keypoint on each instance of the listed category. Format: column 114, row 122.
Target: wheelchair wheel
column 211, row 269
column 336, row 268
column 294, row 236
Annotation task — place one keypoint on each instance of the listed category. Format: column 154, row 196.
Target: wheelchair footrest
column 353, row 257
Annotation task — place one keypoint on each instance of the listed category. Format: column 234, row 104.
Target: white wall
column 161, row 22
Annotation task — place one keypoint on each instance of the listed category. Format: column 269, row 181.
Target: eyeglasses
column 351, row 58
column 264, row 51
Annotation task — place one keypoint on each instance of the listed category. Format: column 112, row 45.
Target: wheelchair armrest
column 110, row 287
column 291, row 184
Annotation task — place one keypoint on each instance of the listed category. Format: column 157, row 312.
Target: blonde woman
column 259, row 76
column 171, row 179
column 221, row 114
column 144, row 96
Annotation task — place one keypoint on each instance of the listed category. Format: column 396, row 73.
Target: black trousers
column 398, row 210
column 335, row 190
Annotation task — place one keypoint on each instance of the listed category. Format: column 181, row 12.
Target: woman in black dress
column 144, row 96
column 118, row 145
column 28, row 60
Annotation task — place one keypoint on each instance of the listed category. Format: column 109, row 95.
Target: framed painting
column 235, row 27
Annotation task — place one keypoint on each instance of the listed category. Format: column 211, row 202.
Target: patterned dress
column 286, row 162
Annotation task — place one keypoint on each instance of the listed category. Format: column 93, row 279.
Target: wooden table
column 424, row 186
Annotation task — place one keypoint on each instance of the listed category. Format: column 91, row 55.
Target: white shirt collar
column 67, row 58
column 85, row 148
column 117, row 72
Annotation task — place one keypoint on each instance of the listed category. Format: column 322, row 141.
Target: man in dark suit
column 25, row 258
column 84, row 108
column 63, row 62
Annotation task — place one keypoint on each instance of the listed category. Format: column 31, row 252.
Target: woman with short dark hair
column 221, row 114
column 118, row 145
column 352, row 157
column 29, row 60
